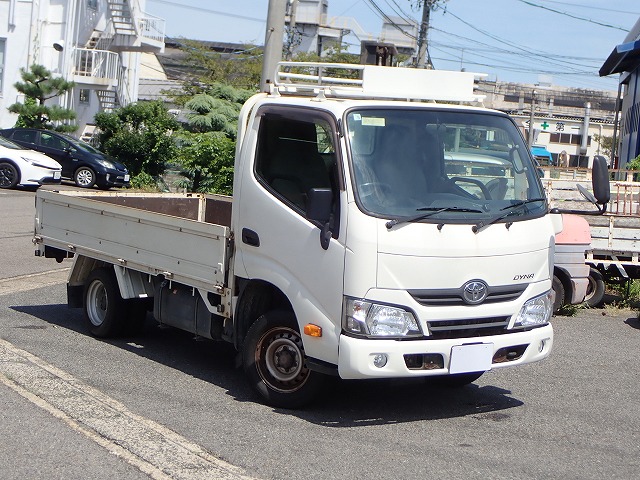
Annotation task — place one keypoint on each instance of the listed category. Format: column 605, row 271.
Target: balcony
column 95, row 67
column 133, row 30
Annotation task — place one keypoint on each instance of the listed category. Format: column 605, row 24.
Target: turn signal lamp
column 312, row 330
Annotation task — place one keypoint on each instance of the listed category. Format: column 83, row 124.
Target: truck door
column 277, row 242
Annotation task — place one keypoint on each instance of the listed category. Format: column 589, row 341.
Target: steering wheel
column 475, row 182
column 370, row 188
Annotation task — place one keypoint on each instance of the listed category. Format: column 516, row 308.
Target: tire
column 104, row 309
column 456, row 381
column 595, row 289
column 274, row 362
column 558, row 288
column 9, row 176
column 84, row 177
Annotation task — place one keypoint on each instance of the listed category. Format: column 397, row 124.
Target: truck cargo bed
column 181, row 236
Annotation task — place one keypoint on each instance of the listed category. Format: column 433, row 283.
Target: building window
column 2, row 50
column 568, row 138
column 92, row 4
column 85, row 96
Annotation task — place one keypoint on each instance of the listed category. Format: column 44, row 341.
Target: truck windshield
column 466, row 166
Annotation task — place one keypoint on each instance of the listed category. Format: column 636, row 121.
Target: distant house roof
column 624, row 58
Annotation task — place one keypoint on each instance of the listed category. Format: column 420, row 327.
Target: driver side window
column 294, row 156
column 51, row 141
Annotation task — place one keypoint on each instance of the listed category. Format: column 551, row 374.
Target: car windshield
column 80, row 145
column 466, row 166
column 8, row 144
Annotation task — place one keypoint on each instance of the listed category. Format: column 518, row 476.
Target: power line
column 565, row 4
column 566, row 14
column 208, row 10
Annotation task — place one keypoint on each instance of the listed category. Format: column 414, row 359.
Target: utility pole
column 531, row 118
column 273, row 42
column 423, row 51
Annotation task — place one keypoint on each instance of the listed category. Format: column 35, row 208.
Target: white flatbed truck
column 373, row 233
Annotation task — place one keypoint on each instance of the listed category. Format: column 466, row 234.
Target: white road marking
column 23, row 283
column 152, row 448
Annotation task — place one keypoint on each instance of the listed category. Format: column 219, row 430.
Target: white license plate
column 126, row 178
column 475, row 357
column 56, row 175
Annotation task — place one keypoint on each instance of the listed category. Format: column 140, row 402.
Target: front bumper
column 51, row 178
column 114, row 178
column 356, row 357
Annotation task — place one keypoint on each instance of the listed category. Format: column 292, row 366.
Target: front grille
column 468, row 327
column 446, row 297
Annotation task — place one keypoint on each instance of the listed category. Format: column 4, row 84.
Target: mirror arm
column 601, row 210
column 326, row 233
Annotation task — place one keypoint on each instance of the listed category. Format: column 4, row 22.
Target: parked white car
column 20, row 166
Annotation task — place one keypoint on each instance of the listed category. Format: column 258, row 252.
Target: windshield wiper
column 478, row 226
column 430, row 211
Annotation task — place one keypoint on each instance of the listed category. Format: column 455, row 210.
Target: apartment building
column 94, row 43
column 625, row 61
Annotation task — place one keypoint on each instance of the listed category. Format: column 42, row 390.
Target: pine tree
column 38, row 86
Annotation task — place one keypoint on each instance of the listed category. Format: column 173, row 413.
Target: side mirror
column 600, row 180
column 319, row 204
column 319, row 209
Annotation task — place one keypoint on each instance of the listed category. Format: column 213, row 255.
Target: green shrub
column 144, row 181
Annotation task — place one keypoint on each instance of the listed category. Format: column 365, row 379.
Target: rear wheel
column 9, row 176
column 595, row 289
column 275, row 363
column 104, row 309
column 84, row 177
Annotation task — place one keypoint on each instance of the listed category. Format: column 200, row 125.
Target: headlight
column 106, row 163
column 371, row 319
column 536, row 311
column 36, row 163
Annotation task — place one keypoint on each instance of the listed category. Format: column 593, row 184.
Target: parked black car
column 80, row 162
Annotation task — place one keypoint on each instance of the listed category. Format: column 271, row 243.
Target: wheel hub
column 285, row 359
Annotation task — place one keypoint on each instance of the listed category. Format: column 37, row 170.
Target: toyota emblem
column 474, row 292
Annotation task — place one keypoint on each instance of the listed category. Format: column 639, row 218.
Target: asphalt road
column 163, row 405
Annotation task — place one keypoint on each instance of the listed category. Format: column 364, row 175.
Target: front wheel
column 595, row 289
column 9, row 176
column 275, row 364
column 84, row 177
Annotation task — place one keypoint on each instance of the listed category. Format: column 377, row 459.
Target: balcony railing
column 151, row 27
column 95, row 66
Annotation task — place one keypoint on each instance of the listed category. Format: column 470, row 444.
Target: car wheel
column 84, row 177
column 9, row 176
column 275, row 362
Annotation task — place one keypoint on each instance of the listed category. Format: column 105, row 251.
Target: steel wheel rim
column 280, row 360
column 97, row 303
column 84, row 177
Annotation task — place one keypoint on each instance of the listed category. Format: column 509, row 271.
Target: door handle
column 250, row 237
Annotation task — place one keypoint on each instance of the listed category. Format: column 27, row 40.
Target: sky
column 525, row 41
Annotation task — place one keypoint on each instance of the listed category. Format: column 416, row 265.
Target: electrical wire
column 566, row 14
